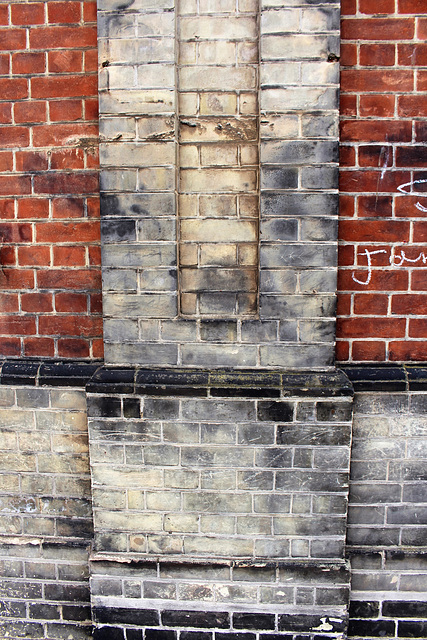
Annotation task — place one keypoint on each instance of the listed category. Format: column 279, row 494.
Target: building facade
column 213, row 319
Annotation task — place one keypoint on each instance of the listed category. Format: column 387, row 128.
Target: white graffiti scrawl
column 396, row 260
column 408, row 185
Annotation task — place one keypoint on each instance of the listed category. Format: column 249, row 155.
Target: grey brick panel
column 298, row 202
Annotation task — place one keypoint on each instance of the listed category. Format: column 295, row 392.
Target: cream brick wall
column 44, row 462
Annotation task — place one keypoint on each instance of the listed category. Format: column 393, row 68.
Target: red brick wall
column 49, row 230
column 384, row 136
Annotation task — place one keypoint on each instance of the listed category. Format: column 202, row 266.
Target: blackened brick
column 311, row 480
column 239, row 392
column 406, row 515
column 208, row 620
column 11, row 609
column 234, row 636
column 57, row 630
column 274, row 457
column 368, row 628
column 314, row 434
column 27, row 590
column 333, row 412
column 276, row 411
column 112, row 380
column 12, row 629
column 160, row 634
column 276, row 636
column 412, row 629
column 68, row 593
column 289, row 622
column 195, row 635
column 76, row 612
column 134, row 634
column 392, row 609
column 78, row 527
column 108, row 633
column 126, row 616
column 44, row 611
column 364, row 609
column 118, row 229
column 253, row 621
column 131, row 408
column 161, row 409
column 104, row 406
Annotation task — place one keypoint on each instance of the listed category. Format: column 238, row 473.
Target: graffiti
column 394, row 261
column 408, row 185
column 402, row 259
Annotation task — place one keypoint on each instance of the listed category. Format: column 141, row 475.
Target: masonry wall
column 386, row 534
column 382, row 281
column 46, row 514
column 49, row 235
column 189, row 470
column 50, row 301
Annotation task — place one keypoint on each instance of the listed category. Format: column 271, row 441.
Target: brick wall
column 46, row 515
column 387, row 526
column 217, row 495
column 222, row 495
column 382, row 308
column 48, row 189
column 147, row 123
column 49, row 234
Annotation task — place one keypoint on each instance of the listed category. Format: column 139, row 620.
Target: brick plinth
column 236, row 482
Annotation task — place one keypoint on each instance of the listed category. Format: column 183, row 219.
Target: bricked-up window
column 218, row 169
